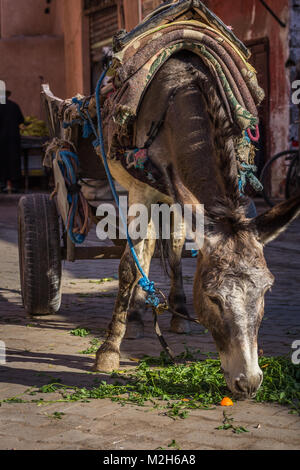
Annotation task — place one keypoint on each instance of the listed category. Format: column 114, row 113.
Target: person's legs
column 4, row 152
column 13, row 158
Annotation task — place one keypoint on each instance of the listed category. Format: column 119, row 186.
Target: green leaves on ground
column 105, row 279
column 228, row 424
column 80, row 332
column 94, row 346
column 176, row 389
column 281, row 382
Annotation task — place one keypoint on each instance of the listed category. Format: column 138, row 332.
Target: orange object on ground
column 226, row 402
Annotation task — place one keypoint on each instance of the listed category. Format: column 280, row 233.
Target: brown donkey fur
column 195, row 153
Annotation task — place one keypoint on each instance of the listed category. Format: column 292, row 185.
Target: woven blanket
column 173, row 10
column 135, row 66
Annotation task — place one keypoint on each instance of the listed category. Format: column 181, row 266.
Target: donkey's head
column 230, row 285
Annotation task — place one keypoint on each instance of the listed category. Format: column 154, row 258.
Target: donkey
column 195, row 153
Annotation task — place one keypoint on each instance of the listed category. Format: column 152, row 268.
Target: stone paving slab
column 40, row 349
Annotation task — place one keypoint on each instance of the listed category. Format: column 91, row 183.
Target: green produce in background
column 33, row 127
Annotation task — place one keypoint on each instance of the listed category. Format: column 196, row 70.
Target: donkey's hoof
column 180, row 326
column 134, row 330
column 106, row 362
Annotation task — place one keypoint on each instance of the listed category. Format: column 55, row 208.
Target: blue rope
column 88, row 125
column 145, row 283
column 67, row 169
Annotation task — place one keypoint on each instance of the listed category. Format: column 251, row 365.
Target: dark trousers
column 10, row 160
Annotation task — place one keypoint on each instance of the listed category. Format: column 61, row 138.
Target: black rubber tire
column 39, row 254
column 293, row 179
column 266, row 170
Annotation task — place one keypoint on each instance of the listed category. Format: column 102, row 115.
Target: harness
column 159, row 310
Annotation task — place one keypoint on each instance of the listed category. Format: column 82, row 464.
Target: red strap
column 254, row 138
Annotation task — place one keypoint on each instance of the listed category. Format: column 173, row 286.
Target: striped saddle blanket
column 138, row 55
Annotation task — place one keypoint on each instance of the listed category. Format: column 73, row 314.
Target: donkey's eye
column 217, row 301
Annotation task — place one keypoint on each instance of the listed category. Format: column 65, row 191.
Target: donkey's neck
column 196, row 156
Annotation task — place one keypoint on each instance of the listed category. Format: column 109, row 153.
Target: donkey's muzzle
column 247, row 386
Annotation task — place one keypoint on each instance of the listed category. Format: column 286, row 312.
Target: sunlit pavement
column 41, row 348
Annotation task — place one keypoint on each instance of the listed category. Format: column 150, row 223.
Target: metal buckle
column 161, row 308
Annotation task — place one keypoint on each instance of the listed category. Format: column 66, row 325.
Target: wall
column 77, row 63
column 148, row 6
column 136, row 10
column 132, row 13
column 25, row 63
column 18, row 18
column 294, row 59
column 31, row 51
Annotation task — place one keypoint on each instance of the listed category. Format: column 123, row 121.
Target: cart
column 43, row 242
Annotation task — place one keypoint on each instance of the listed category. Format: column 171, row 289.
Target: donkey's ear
column 270, row 225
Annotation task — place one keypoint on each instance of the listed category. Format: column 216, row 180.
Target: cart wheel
column 39, row 254
column 266, row 174
column 293, row 178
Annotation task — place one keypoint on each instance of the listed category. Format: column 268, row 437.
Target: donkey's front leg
column 135, row 325
column 177, row 298
column 108, row 355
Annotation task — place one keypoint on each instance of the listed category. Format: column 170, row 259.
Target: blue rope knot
column 88, row 126
column 153, row 300
column 77, row 101
column 149, row 287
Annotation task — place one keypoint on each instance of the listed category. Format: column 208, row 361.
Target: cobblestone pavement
column 41, row 348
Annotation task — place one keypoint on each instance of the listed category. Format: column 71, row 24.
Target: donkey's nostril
column 240, row 387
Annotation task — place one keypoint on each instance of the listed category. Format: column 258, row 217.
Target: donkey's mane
column 231, row 207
